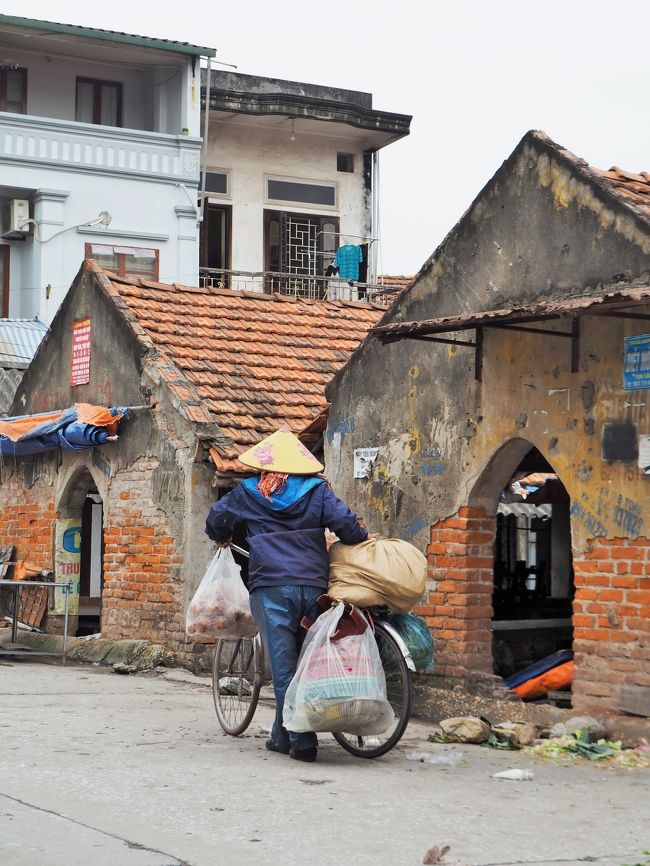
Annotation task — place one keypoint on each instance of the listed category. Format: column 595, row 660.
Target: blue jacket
column 285, row 536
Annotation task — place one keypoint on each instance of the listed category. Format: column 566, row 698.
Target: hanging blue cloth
column 348, row 258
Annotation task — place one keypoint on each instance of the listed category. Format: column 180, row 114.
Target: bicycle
column 238, row 674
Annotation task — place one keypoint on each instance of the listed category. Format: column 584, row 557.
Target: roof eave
column 109, row 36
column 328, row 111
column 613, row 298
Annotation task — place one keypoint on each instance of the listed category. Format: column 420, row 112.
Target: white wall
column 250, row 153
column 144, row 214
column 152, row 100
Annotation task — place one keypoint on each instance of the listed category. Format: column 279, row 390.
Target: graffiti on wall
column 628, row 516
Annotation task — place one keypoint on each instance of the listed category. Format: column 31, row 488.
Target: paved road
column 132, row 771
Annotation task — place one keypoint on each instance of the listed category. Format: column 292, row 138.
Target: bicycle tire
column 239, row 661
column 398, row 689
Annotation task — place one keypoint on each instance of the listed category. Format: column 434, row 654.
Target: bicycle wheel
column 398, row 690
column 236, row 682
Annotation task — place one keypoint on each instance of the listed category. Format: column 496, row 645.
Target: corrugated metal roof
column 19, row 340
column 108, row 35
column 9, row 381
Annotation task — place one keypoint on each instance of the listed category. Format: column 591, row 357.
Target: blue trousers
column 278, row 611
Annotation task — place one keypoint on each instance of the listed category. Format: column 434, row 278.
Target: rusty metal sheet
column 615, row 300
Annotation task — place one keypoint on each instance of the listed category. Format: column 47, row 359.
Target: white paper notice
column 363, row 461
column 644, row 454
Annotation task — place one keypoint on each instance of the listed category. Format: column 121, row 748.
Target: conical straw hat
column 281, row 452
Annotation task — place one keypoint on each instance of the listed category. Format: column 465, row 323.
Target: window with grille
column 125, row 261
column 299, row 245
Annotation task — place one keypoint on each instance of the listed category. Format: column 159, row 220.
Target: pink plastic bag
column 339, row 684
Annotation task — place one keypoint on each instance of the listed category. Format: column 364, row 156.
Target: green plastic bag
column 416, row 635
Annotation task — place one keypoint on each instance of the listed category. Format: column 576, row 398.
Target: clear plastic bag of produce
column 339, row 684
column 220, row 607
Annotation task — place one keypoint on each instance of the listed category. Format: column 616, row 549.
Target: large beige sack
column 379, row 571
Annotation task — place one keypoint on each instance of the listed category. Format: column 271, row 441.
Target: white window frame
column 220, row 196
column 284, row 203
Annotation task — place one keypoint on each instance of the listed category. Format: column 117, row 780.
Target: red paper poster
column 80, row 368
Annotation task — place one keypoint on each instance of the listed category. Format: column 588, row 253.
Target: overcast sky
column 475, row 75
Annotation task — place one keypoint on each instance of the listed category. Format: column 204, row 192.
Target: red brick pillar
column 143, row 595
column 458, row 608
column 611, row 621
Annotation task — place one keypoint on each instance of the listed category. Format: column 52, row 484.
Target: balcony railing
column 49, row 143
column 300, row 286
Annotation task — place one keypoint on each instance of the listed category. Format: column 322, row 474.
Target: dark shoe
column 308, row 755
column 273, row 747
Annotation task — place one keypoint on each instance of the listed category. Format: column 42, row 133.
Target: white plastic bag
column 338, row 685
column 220, row 607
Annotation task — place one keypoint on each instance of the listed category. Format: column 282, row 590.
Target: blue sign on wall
column 636, row 364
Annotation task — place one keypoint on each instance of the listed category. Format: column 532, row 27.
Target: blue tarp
column 59, row 429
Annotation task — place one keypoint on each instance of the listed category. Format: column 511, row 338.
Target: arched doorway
column 533, row 573
column 80, row 542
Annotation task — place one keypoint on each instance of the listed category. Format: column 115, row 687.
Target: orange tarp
column 19, row 427
column 97, row 415
column 556, row 678
column 26, row 570
column 86, row 412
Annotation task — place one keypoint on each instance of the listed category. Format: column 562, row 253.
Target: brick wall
column 143, row 593
column 458, row 607
column 27, row 518
column 611, row 621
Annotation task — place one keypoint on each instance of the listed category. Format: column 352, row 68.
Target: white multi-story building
column 292, row 176
column 100, row 156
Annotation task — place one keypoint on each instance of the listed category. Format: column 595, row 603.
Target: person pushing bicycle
column 284, row 509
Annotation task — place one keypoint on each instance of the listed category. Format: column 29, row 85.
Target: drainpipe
column 375, row 229
column 206, row 121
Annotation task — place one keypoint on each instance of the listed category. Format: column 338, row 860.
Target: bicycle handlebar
column 240, row 550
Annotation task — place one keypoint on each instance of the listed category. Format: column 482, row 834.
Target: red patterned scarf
column 271, row 482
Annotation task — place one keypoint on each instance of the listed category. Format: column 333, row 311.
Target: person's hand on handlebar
column 222, row 544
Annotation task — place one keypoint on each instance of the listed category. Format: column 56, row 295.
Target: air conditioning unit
column 14, row 219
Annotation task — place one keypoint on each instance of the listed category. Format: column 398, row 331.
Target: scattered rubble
column 568, row 748
column 435, row 855
column 577, row 737
column 123, row 668
column 516, row 734
column 586, row 724
column 465, row 729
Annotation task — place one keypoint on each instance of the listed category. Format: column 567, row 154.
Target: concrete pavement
column 133, row 771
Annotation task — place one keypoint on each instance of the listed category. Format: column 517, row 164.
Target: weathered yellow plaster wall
column 529, row 391
column 543, row 228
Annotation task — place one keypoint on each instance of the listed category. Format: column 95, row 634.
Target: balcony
column 296, row 285
column 41, row 142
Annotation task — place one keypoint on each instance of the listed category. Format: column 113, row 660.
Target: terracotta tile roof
column 634, row 188
column 400, row 282
column 248, row 361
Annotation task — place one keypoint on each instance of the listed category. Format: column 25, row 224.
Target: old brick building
column 521, row 350
column 220, row 370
